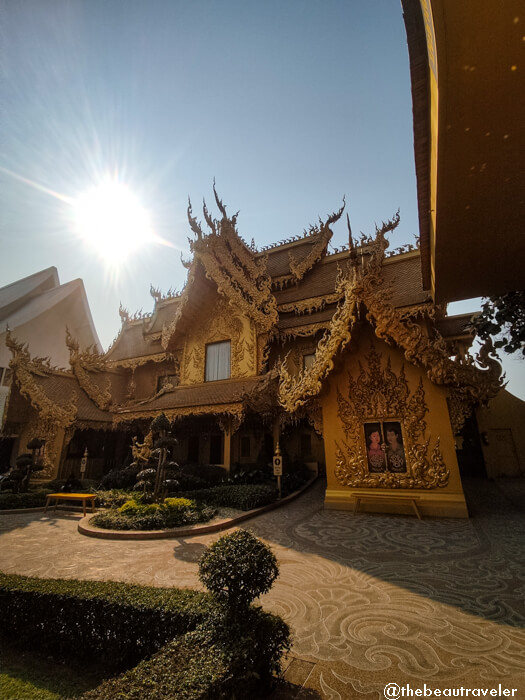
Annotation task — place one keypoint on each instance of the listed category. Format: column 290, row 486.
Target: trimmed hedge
column 29, row 499
column 117, row 624
column 240, row 496
column 187, row 645
column 180, row 671
column 223, row 659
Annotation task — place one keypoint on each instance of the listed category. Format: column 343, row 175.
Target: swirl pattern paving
column 371, row 599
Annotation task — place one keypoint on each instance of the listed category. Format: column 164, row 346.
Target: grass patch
column 26, row 675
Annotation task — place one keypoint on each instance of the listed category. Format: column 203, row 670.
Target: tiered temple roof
column 295, row 289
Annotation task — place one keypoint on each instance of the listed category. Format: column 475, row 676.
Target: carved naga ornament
column 324, row 232
column 240, row 276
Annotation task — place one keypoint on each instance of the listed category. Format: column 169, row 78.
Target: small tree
column 238, row 568
column 503, row 317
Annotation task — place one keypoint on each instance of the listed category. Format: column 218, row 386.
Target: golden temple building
column 342, row 358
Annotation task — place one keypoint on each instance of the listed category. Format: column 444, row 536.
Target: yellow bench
column 71, row 497
column 402, row 500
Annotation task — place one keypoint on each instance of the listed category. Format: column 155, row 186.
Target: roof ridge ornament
column 299, row 269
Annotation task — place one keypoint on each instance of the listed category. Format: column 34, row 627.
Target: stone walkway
column 371, row 599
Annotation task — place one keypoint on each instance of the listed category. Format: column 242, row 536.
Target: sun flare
column 110, row 219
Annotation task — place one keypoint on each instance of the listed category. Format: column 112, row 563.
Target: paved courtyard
column 371, row 599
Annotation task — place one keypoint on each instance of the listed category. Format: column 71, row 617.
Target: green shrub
column 115, row 498
column 29, row 499
column 120, row 478
column 211, row 473
column 252, row 642
column 116, row 624
column 240, row 496
column 238, row 568
column 188, row 645
column 135, row 515
column 188, row 482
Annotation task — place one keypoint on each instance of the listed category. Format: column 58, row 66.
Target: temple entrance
column 106, row 450
column 470, row 456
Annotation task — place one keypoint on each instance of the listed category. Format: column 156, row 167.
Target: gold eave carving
column 51, row 416
column 309, row 306
column 232, row 409
column 380, row 394
column 24, row 370
column 134, row 362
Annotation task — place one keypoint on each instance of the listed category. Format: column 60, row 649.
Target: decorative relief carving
column 309, row 306
column 381, row 393
column 314, row 414
column 82, row 363
column 135, row 362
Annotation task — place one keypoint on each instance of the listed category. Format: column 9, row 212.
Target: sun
column 110, row 219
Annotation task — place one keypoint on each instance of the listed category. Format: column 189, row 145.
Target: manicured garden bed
column 167, row 644
column 172, row 512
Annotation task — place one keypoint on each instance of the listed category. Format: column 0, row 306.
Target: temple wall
column 501, row 429
column 388, row 396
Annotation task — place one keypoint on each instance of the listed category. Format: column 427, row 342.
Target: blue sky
column 288, row 104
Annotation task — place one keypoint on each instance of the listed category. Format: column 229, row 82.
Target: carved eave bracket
column 82, row 364
column 25, row 370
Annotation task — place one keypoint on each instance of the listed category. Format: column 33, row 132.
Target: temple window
column 218, row 361
column 166, row 379
column 308, row 361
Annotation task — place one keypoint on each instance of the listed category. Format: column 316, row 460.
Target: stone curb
column 90, row 531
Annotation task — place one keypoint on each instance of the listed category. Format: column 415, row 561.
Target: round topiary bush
column 238, row 568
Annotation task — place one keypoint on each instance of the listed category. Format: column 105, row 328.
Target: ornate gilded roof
column 220, row 397
column 366, row 295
